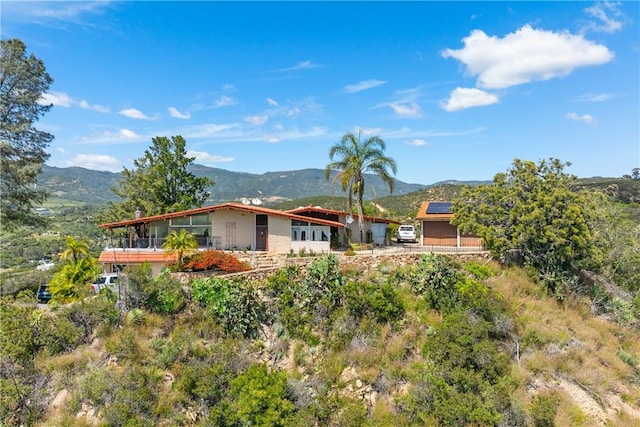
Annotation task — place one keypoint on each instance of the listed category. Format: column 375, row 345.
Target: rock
column 61, row 398
column 359, row 383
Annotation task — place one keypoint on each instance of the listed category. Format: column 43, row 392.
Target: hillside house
column 228, row 226
column 437, row 232
column 374, row 227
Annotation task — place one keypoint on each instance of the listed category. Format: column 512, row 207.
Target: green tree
column 159, row 183
column 23, row 82
column 79, row 271
column 532, row 209
column 76, row 249
column 181, row 244
column 354, row 158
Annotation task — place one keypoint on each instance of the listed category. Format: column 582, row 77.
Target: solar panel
column 439, row 208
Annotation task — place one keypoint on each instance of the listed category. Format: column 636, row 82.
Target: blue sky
column 457, row 90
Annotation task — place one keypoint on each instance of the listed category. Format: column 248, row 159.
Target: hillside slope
column 376, row 347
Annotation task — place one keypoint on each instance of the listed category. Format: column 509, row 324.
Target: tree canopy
column 532, row 208
column 160, row 182
column 353, row 158
column 23, row 82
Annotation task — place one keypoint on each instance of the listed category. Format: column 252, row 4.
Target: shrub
column 164, row 294
column 435, row 277
column 382, row 302
column 135, row 399
column 215, row 260
column 135, row 317
column 479, row 271
column 235, row 305
column 257, row 398
column 543, row 410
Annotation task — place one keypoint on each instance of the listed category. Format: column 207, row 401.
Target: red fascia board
column 225, row 206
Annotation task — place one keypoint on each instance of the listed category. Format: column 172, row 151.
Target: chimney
column 138, row 213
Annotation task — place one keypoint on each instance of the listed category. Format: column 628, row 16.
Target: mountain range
column 92, row 186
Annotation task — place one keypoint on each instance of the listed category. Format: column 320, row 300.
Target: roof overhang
column 225, row 206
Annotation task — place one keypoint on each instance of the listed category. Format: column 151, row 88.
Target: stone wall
column 362, row 263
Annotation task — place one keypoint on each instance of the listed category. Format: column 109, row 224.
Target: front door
column 262, row 232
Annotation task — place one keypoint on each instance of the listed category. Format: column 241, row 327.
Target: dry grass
column 563, row 340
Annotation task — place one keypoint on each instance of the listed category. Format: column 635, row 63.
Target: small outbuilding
column 437, row 231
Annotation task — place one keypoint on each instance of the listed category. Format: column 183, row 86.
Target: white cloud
column 366, row 131
column 272, row 102
column 206, row 158
column 205, row 131
column 95, row 107
column 101, row 162
column 58, row 99
column 586, row 118
column 225, row 101
column 45, row 12
column 133, row 113
column 257, row 120
column 608, row 15
column 406, row 110
column 127, row 134
column 62, row 99
column 525, row 55
column 304, row 65
column 293, row 111
column 173, row 111
column 601, row 97
column 418, row 142
column 272, row 139
column 363, row 85
column 461, row 98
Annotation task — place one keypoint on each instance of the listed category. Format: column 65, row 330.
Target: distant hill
column 289, row 189
column 91, row 186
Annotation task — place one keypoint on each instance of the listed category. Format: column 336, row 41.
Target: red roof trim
column 339, row 213
column 224, row 206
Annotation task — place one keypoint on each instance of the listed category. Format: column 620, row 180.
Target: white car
column 105, row 281
column 406, row 233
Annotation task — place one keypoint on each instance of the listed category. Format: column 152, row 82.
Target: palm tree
column 353, row 159
column 181, row 244
column 76, row 249
column 72, row 281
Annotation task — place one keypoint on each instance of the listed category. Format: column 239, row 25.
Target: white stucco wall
column 279, row 234
column 240, row 236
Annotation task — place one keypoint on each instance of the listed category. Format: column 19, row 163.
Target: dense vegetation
column 436, row 341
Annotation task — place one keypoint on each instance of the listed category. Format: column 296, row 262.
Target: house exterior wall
column 279, row 235
column 234, row 230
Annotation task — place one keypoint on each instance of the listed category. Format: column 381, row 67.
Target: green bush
column 235, row 305
column 382, row 302
column 434, row 278
column 479, row 271
column 543, row 409
column 257, row 398
column 135, row 398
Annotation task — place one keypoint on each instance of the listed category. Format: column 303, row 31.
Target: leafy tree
column 354, row 158
column 76, row 249
column 160, row 182
column 80, row 269
column 635, row 173
column 23, row 82
column 181, row 243
column 531, row 208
